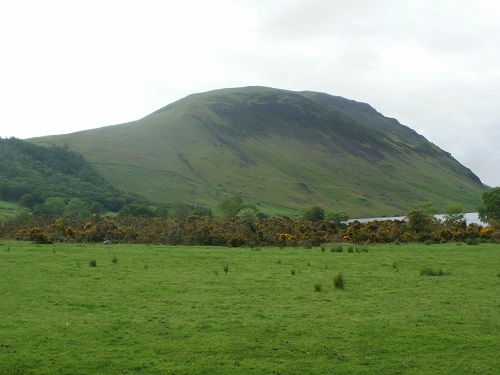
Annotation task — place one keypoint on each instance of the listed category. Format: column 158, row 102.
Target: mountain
column 282, row 150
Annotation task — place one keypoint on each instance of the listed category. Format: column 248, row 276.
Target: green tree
column 489, row 211
column 78, row 208
column 336, row 217
column 55, row 206
column 136, row 210
column 22, row 214
column 179, row 210
column 313, row 213
column 27, row 201
column 230, row 206
column 163, row 210
column 419, row 220
column 97, row 208
column 428, row 207
column 454, row 213
column 247, row 215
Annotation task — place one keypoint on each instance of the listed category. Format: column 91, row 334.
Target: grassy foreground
column 175, row 310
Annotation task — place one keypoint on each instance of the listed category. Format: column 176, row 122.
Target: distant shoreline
column 470, row 217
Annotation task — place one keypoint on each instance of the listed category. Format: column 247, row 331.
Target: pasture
column 145, row 309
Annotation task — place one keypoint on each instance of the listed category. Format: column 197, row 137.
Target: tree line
column 237, row 229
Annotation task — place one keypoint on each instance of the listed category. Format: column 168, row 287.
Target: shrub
column 338, row 281
column 323, row 248
column 38, row 236
column 471, row 241
column 427, row 271
column 336, row 249
column 313, row 213
column 350, row 249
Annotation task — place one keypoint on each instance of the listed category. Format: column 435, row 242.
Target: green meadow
column 138, row 309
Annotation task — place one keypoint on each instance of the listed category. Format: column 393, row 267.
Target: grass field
column 175, row 310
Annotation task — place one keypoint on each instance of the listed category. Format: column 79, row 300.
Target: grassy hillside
column 280, row 149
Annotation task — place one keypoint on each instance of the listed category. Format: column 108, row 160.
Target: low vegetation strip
column 236, row 232
column 148, row 309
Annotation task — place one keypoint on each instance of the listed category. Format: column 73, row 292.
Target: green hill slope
column 280, row 149
column 45, row 172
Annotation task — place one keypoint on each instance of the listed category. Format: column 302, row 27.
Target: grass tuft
column 317, row 287
column 471, row 241
column 93, row 263
column 428, row 271
column 338, row 281
column 336, row 249
column 114, row 259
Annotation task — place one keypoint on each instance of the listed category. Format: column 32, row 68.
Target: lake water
column 471, row 217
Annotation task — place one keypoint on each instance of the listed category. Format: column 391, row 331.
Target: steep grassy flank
column 280, row 149
column 174, row 310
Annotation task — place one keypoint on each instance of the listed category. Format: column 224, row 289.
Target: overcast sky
column 434, row 65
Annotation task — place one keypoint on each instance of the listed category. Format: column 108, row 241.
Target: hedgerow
column 233, row 232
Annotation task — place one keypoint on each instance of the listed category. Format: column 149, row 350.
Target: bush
column 338, row 281
column 427, row 271
column 471, row 241
column 336, row 249
column 313, row 213
column 38, row 236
